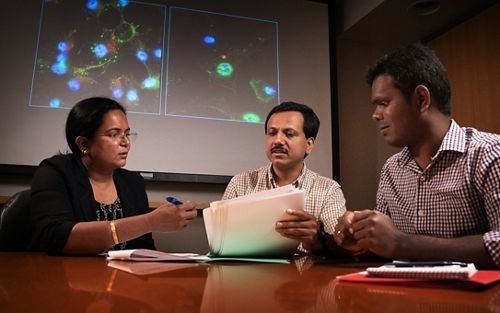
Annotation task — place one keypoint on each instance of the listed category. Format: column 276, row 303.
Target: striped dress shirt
column 324, row 197
column 458, row 194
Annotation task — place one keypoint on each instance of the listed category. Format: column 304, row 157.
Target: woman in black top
column 84, row 202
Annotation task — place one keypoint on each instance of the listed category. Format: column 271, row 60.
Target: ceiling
column 392, row 22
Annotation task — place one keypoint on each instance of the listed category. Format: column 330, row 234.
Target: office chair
column 15, row 222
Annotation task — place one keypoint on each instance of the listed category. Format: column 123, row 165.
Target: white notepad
column 424, row 272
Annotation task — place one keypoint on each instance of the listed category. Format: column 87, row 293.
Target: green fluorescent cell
column 251, row 117
column 225, row 69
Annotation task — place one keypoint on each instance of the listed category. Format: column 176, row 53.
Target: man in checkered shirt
column 291, row 130
column 439, row 198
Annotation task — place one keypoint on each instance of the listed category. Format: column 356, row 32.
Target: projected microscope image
column 190, row 63
column 100, row 48
column 221, row 66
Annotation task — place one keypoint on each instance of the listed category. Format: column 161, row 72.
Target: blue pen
column 174, row 200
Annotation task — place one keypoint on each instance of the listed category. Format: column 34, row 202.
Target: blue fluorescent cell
column 59, row 68
column 209, row 40
column 61, row 57
column 117, row 92
column 132, row 95
column 149, row 83
column 62, row 46
column 157, row 53
column 73, row 84
column 142, row 55
column 122, row 3
column 269, row 90
column 100, row 50
column 92, row 4
column 55, row 103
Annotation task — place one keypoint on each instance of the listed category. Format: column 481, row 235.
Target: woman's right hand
column 170, row 217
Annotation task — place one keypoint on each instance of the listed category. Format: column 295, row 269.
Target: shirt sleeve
column 334, row 206
column 52, row 219
column 381, row 202
column 488, row 182
column 231, row 191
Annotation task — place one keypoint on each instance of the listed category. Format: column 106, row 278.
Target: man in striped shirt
column 439, row 198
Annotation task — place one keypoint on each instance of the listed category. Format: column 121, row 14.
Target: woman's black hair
column 86, row 117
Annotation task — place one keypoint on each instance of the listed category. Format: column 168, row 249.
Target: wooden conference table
column 40, row 283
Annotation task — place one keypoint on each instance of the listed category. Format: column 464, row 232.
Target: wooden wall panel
column 471, row 53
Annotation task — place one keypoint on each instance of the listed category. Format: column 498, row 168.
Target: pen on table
column 426, row 263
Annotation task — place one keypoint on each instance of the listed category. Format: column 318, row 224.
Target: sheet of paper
column 146, row 255
column 150, row 256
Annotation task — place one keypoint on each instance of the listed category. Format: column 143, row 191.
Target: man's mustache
column 279, row 149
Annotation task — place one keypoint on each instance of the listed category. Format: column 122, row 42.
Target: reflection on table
column 41, row 283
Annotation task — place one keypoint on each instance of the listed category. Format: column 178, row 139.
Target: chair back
column 15, row 222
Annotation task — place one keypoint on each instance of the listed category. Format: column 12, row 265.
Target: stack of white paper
column 245, row 226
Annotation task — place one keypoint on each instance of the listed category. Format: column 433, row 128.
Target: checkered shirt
column 458, row 194
column 324, row 197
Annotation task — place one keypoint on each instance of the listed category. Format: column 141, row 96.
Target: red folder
column 480, row 280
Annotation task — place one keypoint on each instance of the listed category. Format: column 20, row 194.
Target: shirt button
column 420, row 213
column 422, row 178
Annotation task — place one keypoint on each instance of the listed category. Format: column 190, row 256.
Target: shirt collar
column 297, row 183
column 454, row 140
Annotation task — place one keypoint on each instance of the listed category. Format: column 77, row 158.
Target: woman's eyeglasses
column 117, row 136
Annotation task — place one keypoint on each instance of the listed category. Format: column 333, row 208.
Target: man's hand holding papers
column 301, row 226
